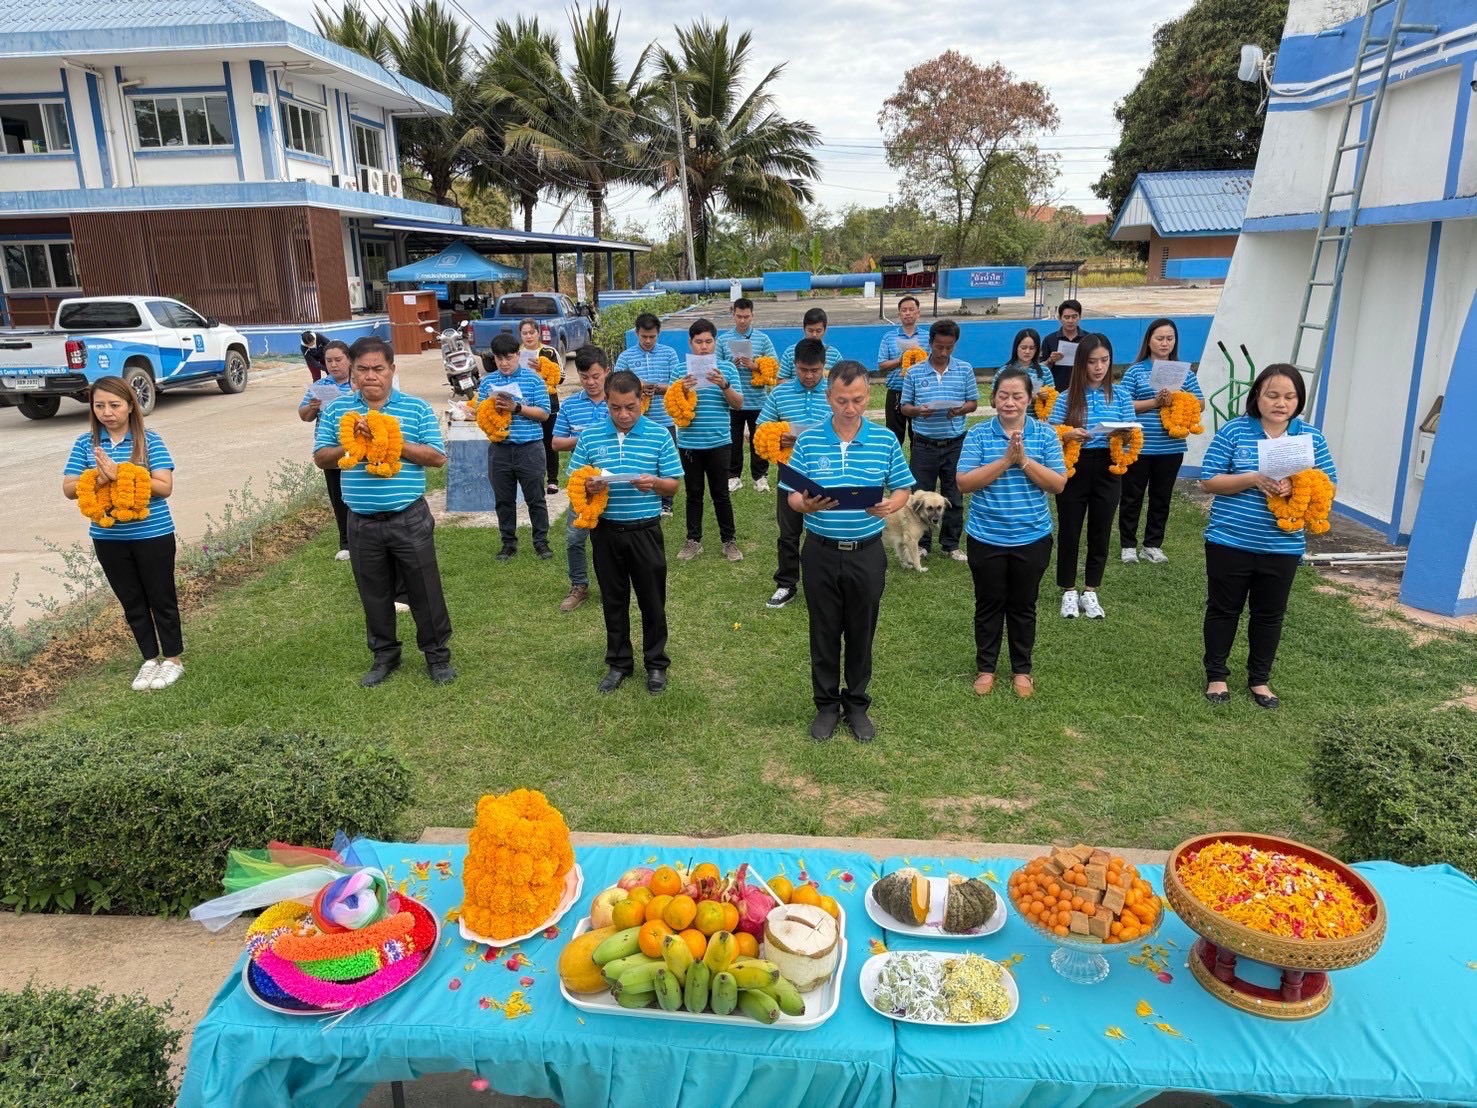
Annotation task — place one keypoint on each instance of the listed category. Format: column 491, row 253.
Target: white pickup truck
column 152, row 342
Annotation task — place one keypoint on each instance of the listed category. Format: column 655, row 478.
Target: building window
column 305, row 130
column 369, row 152
column 181, row 122
column 34, row 128
column 1163, row 261
column 39, row 266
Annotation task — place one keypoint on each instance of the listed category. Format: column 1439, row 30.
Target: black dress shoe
column 543, row 551
column 863, row 730
column 441, row 673
column 378, row 673
column 824, row 725
column 506, row 553
column 612, row 681
column 1218, row 697
column 656, row 681
column 1268, row 702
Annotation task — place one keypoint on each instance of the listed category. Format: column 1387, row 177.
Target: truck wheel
column 234, row 379
column 141, row 380
column 39, row 407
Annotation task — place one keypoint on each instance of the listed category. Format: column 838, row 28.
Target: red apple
column 635, row 878
column 604, row 904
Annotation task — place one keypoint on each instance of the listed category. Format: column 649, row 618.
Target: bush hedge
column 1402, row 785
column 84, row 1050
column 142, row 823
column 616, row 320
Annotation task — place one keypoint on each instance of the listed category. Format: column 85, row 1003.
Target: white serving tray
column 574, row 882
column 820, row 1003
column 933, row 931
column 872, row 969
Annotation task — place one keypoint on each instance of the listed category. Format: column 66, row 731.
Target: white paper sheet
column 740, row 348
column 324, row 390
column 704, row 367
column 505, row 386
column 1068, row 351
column 528, row 359
column 1108, row 427
column 907, row 342
column 1282, row 457
column 1168, row 375
column 618, row 478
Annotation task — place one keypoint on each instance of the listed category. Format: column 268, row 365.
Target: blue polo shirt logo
column 821, row 467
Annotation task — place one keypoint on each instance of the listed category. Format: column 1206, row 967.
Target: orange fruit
column 782, row 888
column 628, row 913
column 748, row 946
column 805, row 894
column 730, row 916
column 706, row 870
column 1060, row 930
column 665, row 882
column 650, row 940
column 679, row 912
column 830, row 907
column 696, row 942
column 657, row 907
column 709, row 917
column 640, row 894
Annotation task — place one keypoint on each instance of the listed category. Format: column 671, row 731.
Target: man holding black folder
column 844, row 477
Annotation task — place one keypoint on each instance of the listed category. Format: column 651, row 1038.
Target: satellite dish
column 1251, row 63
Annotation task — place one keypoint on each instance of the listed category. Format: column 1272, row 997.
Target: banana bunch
column 720, row 982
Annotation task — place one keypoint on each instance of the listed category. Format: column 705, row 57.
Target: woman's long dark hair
column 1077, row 390
column 117, row 386
column 1144, row 353
column 1015, row 349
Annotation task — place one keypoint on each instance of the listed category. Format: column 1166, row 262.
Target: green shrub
column 616, row 320
column 142, row 823
column 83, row 1050
column 1402, row 785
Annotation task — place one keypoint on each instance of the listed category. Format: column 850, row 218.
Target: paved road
column 218, row 442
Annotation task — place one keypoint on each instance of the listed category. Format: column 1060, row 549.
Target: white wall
column 1293, row 162
column 187, row 169
column 1407, row 161
column 29, row 172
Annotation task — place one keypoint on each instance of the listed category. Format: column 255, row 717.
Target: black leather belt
column 845, row 544
column 630, row 525
column 382, row 516
column 938, row 442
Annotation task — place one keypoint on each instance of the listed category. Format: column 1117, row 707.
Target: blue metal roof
column 1187, row 202
column 52, row 15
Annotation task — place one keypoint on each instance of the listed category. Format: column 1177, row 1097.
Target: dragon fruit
column 753, row 903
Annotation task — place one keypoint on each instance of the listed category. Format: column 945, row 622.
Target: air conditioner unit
column 396, row 188
column 347, row 182
column 374, row 182
column 356, row 293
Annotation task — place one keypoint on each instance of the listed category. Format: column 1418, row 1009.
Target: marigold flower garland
column 1181, row 418
column 1044, row 401
column 645, row 403
column 911, row 357
column 680, row 403
column 494, row 424
column 518, row 855
column 549, row 370
column 121, row 500
column 1124, row 448
column 1071, row 448
column 767, row 441
column 380, row 450
column 587, row 509
column 1308, row 505
column 766, row 372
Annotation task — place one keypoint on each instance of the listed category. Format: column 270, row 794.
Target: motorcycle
column 462, row 372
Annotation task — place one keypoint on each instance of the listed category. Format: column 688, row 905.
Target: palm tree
column 355, row 31
column 742, row 156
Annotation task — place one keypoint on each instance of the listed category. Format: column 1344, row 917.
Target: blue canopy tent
column 458, row 262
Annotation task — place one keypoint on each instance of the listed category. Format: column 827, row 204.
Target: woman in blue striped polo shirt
column 137, row 556
column 1025, row 354
column 706, row 444
column 1249, row 561
column 1010, row 464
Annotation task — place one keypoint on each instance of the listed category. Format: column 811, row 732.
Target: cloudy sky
column 844, row 57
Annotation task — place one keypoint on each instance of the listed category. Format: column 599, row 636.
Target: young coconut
column 803, row 940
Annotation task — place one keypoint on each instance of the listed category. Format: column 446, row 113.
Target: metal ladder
column 1338, row 235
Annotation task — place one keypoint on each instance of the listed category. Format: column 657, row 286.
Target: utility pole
column 682, row 172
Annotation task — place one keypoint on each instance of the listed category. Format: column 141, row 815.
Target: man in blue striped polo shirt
column 844, row 564
column 653, row 363
column 937, row 395
column 800, row 402
column 518, row 461
column 581, row 411
column 629, row 552
column 391, row 531
column 814, row 323
column 754, row 395
column 890, row 361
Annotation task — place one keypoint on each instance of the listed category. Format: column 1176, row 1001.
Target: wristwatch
column 517, row 407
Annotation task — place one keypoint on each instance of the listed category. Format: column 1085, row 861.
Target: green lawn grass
column 1117, row 745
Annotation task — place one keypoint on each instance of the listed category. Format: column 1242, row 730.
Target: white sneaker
column 341, row 556
column 735, row 483
column 1090, row 606
column 959, row 555
column 1155, row 555
column 167, row 674
column 146, row 674
column 1069, row 604
column 1130, row 555
column 782, row 596
column 761, row 485
column 401, row 607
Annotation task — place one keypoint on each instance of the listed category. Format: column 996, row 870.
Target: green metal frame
column 1234, row 390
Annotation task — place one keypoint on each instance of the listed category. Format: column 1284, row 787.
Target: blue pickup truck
column 563, row 325
column 152, row 342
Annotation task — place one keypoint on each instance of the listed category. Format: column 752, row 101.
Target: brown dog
column 902, row 530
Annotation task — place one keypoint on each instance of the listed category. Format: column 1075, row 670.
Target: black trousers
column 334, row 479
column 936, row 462
column 509, row 467
column 141, row 575
column 1007, row 581
column 710, row 467
column 899, row 424
column 1091, row 496
column 737, row 421
column 843, row 594
column 1157, row 473
column 1237, row 579
column 630, row 557
column 551, row 456
column 791, row 525
column 395, row 551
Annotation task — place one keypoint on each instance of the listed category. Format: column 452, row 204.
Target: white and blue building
column 1189, row 219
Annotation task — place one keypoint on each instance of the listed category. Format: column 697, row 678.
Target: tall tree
column 1189, row 110
column 962, row 133
column 355, row 31
column 742, row 156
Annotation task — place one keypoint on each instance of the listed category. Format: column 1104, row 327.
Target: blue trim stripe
column 189, row 152
column 365, row 122
column 299, row 156
column 1413, row 397
column 59, row 94
column 235, row 127
column 1459, row 127
column 225, row 194
column 73, row 139
column 266, row 122
column 173, row 90
column 1386, row 215
column 95, row 103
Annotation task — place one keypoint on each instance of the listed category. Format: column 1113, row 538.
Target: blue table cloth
column 244, row 1055
column 1402, row 1027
